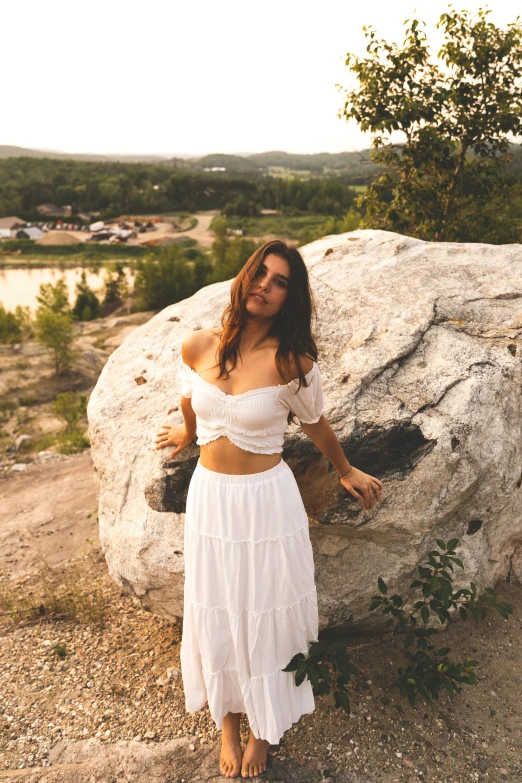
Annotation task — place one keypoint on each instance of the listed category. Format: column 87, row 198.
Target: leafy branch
column 457, row 113
column 329, row 668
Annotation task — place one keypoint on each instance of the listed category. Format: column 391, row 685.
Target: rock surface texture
column 420, row 353
column 92, row 761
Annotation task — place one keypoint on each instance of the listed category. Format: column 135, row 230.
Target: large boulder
column 420, row 353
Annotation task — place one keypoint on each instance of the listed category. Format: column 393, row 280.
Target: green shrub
column 56, row 332
column 54, row 327
column 41, row 443
column 334, row 225
column 10, row 329
column 236, row 253
column 87, row 305
column 72, row 442
column 329, row 669
column 229, row 255
column 54, row 297
column 116, row 286
column 29, row 400
column 15, row 326
column 70, row 407
column 164, row 279
column 60, row 650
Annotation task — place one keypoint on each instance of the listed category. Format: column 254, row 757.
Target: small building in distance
column 53, row 210
column 29, row 232
column 9, row 226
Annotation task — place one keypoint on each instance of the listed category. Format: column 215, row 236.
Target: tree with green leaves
column 238, row 251
column 221, row 241
column 87, row 305
column 71, row 408
column 116, row 286
column 447, row 179
column 163, row 279
column 229, row 254
column 54, row 325
column 55, row 297
column 15, row 326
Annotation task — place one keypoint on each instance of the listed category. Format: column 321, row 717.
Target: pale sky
column 193, row 76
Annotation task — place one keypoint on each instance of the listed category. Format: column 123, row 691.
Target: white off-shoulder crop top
column 254, row 420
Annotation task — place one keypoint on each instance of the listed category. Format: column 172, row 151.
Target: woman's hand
column 368, row 485
column 173, row 436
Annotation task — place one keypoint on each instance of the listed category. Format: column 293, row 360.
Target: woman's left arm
column 352, row 479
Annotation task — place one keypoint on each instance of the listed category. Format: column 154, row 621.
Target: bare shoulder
column 197, row 342
column 306, row 363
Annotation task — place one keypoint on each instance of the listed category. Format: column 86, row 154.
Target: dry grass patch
column 65, row 592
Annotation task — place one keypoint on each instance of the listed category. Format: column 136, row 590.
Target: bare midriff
column 223, row 456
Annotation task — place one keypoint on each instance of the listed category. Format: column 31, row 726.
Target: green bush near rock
column 72, row 442
column 430, row 670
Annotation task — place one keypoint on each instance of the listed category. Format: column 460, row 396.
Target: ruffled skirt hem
column 273, row 697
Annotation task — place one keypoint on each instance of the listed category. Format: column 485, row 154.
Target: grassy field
column 284, row 173
column 295, row 228
column 25, row 252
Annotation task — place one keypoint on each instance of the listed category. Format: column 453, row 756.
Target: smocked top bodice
column 254, row 420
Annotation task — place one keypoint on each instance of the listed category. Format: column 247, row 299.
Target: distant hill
column 234, row 164
column 315, row 164
column 355, row 167
column 17, row 152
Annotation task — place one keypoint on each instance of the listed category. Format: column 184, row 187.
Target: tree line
column 112, row 189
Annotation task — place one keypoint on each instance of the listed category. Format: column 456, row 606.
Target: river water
column 20, row 286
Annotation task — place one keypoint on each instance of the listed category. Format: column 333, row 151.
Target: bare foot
column 231, row 751
column 254, row 757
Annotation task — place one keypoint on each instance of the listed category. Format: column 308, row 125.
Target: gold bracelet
column 346, row 474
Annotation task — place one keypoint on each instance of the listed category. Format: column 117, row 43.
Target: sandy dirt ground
column 96, row 696
column 202, row 233
column 112, row 709
column 47, row 513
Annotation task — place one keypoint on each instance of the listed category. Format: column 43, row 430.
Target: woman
column 250, row 602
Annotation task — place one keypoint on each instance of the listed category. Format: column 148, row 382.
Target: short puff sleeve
column 187, row 381
column 308, row 402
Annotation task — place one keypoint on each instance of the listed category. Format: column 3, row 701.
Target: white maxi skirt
column 250, row 601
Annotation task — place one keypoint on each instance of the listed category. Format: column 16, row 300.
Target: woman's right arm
column 182, row 435
column 178, row 435
column 189, row 416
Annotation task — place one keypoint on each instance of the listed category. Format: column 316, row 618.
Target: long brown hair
column 292, row 326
